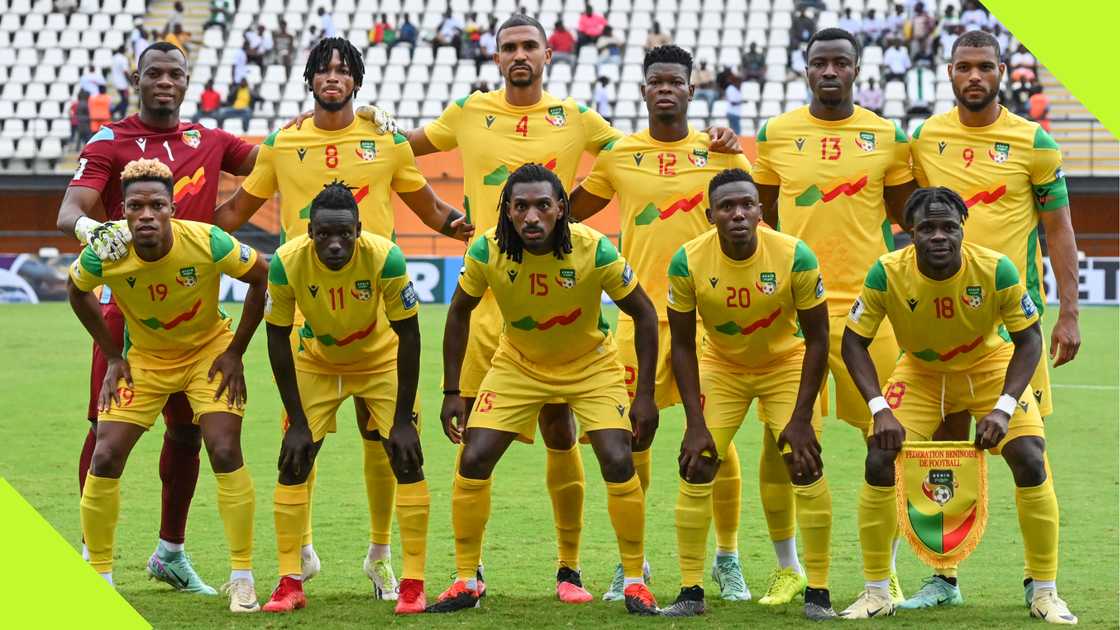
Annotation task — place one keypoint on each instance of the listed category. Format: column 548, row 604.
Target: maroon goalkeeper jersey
column 195, row 154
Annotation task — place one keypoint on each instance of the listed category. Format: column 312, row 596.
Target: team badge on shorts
column 866, row 141
column 768, row 282
column 192, row 138
column 362, row 290
column 567, row 278
column 999, row 152
column 367, row 150
column 187, row 277
column 699, row 158
column 973, row 297
column 556, row 116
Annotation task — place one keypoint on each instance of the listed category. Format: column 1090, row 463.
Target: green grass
column 46, row 378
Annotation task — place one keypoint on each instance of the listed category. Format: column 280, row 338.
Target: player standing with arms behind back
column 1008, row 170
column 834, row 175
column 196, row 156
column 661, row 177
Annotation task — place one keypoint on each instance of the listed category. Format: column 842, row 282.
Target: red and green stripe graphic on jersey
column 731, row 328
column 933, row 355
column 986, row 197
column 341, row 342
column 528, row 323
column 305, row 212
column 498, row 176
column 815, row 193
column 685, row 204
column 155, row 324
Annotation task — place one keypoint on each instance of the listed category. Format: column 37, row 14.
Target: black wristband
column 446, row 228
column 451, row 392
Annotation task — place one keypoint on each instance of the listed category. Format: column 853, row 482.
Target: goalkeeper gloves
column 380, row 117
column 109, row 240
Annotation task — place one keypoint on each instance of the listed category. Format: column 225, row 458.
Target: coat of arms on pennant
column 942, row 491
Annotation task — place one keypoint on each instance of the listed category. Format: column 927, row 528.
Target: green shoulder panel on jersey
column 582, row 108
column 276, row 272
column 918, row 131
column 678, row 265
column 761, row 135
column 609, row 144
column 876, row 277
column 605, row 252
column 462, row 102
column 270, row 141
column 395, row 265
column 1006, row 274
column 803, row 258
column 220, row 243
column 899, row 134
column 90, row 262
column 399, row 138
column 1042, row 140
column 480, row 250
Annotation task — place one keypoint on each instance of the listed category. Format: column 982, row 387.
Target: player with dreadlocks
column 297, row 162
column 547, row 276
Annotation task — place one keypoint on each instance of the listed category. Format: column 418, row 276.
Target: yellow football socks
column 643, row 465
column 878, row 522
column 306, row 538
column 775, row 490
column 626, row 506
column 290, row 510
column 727, row 500
column 100, row 509
column 814, row 520
column 235, row 505
column 1038, row 520
column 381, row 490
column 564, row 477
column 470, row 509
column 412, row 519
column 694, row 513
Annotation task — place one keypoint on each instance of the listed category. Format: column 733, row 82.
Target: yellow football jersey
column 297, row 163
column 495, row 138
column 170, row 305
column 949, row 325
column 551, row 308
column 662, row 190
column 1006, row 172
column 832, row 175
column 340, row 308
column 749, row 307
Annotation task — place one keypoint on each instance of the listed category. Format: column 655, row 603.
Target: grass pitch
column 46, row 379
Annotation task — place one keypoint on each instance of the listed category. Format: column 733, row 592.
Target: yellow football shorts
column 142, row 403
column 1040, row 382
column 850, row 405
column 323, row 394
column 726, row 394
column 511, row 395
column 920, row 398
column 482, row 343
column 665, row 392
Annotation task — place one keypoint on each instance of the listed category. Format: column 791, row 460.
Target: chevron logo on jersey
column 187, row 186
column 813, row 194
column 986, row 196
column 528, row 323
column 650, row 213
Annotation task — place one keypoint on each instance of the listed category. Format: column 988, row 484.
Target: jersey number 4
column 522, row 126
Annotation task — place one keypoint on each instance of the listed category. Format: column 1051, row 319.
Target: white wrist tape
column 877, row 404
column 1007, row 404
column 82, row 228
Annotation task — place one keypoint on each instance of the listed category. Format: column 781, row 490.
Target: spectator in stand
column 326, row 23
column 311, row 38
column 947, row 38
column 407, row 34
column 705, row 82
column 253, row 41
column 811, row 4
column 949, row 18
column 488, row 46
column 1003, row 38
column 79, row 120
column 285, row 44
column 1040, row 108
column 921, row 29
column 974, row 17
column 896, row 23
column 851, row 23
column 180, row 38
column 480, row 86
column 871, row 97
column 100, row 109
column 734, row 100
column 753, row 65
column 1019, row 95
column 797, row 63
column 1023, row 65
column 267, row 45
column 602, row 99
column 563, row 45
column 90, row 81
column 724, row 78
column 219, row 15
column 118, row 77
column 802, row 28
column 138, row 40
column 209, row 103
column 449, row 31
column 377, row 33
column 656, row 38
column 590, row 28
column 896, row 62
column 65, row 7
column 239, row 104
column 241, row 63
column 610, row 47
column 468, row 41
column 873, row 28
column 176, row 17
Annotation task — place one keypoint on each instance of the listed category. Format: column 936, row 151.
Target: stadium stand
column 45, row 54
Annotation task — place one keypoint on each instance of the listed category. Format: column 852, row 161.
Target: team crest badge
column 999, row 152
column 942, row 499
column 367, row 150
column 187, row 277
column 767, row 282
column 490, row 118
column 567, row 278
column 556, row 116
column 192, row 138
column 866, row 141
column 699, row 158
column 973, row 297
column 362, row 290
